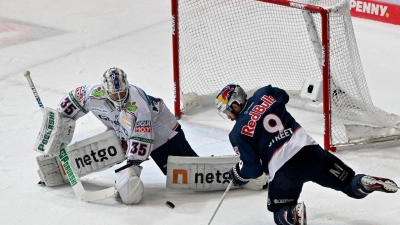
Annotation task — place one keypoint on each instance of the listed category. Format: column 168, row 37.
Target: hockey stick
column 87, row 196
column 220, row 202
column 27, row 74
column 73, row 178
column 129, row 165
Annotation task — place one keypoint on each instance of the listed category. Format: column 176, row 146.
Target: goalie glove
column 237, row 178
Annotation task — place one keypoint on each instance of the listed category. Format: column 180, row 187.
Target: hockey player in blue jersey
column 269, row 140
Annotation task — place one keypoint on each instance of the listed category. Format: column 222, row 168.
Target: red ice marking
column 14, row 32
column 80, row 49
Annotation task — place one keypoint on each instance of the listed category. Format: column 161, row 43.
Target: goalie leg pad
column 96, row 153
column 90, row 155
column 50, row 171
column 200, row 173
column 205, row 173
column 129, row 186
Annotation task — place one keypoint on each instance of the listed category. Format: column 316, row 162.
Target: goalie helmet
column 116, row 85
column 228, row 95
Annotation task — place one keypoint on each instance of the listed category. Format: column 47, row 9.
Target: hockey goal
column 307, row 48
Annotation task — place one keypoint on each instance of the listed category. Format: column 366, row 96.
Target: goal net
column 306, row 47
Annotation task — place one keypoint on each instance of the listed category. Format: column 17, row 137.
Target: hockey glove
column 237, row 178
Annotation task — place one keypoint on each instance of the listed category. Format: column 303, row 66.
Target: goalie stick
column 27, row 74
column 77, row 186
column 80, row 192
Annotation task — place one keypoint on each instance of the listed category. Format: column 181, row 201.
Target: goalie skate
column 379, row 184
column 299, row 214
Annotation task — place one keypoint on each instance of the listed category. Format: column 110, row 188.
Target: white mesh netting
column 254, row 44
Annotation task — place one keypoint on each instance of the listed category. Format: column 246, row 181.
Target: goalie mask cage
column 297, row 46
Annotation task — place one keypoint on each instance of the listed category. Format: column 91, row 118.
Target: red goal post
column 205, row 40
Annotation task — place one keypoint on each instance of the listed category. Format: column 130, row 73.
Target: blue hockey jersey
column 265, row 135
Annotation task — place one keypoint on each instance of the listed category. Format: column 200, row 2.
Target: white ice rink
column 66, row 44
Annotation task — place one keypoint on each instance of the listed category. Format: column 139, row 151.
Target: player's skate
column 378, row 184
column 299, row 214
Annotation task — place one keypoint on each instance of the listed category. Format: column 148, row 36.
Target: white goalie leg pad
column 200, row 173
column 96, row 153
column 129, row 186
column 50, row 171
column 55, row 131
column 93, row 154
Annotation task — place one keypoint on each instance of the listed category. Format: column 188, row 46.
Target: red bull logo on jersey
column 256, row 114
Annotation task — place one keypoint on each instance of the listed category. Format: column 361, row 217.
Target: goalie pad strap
column 55, row 131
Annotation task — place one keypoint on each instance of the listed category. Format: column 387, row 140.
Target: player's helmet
column 228, row 95
column 116, row 85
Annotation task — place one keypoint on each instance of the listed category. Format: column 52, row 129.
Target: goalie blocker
column 206, row 173
column 55, row 131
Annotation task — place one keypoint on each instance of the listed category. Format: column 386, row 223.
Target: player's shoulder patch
column 98, row 92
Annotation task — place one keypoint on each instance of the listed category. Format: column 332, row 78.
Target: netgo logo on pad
column 99, row 156
column 181, row 176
